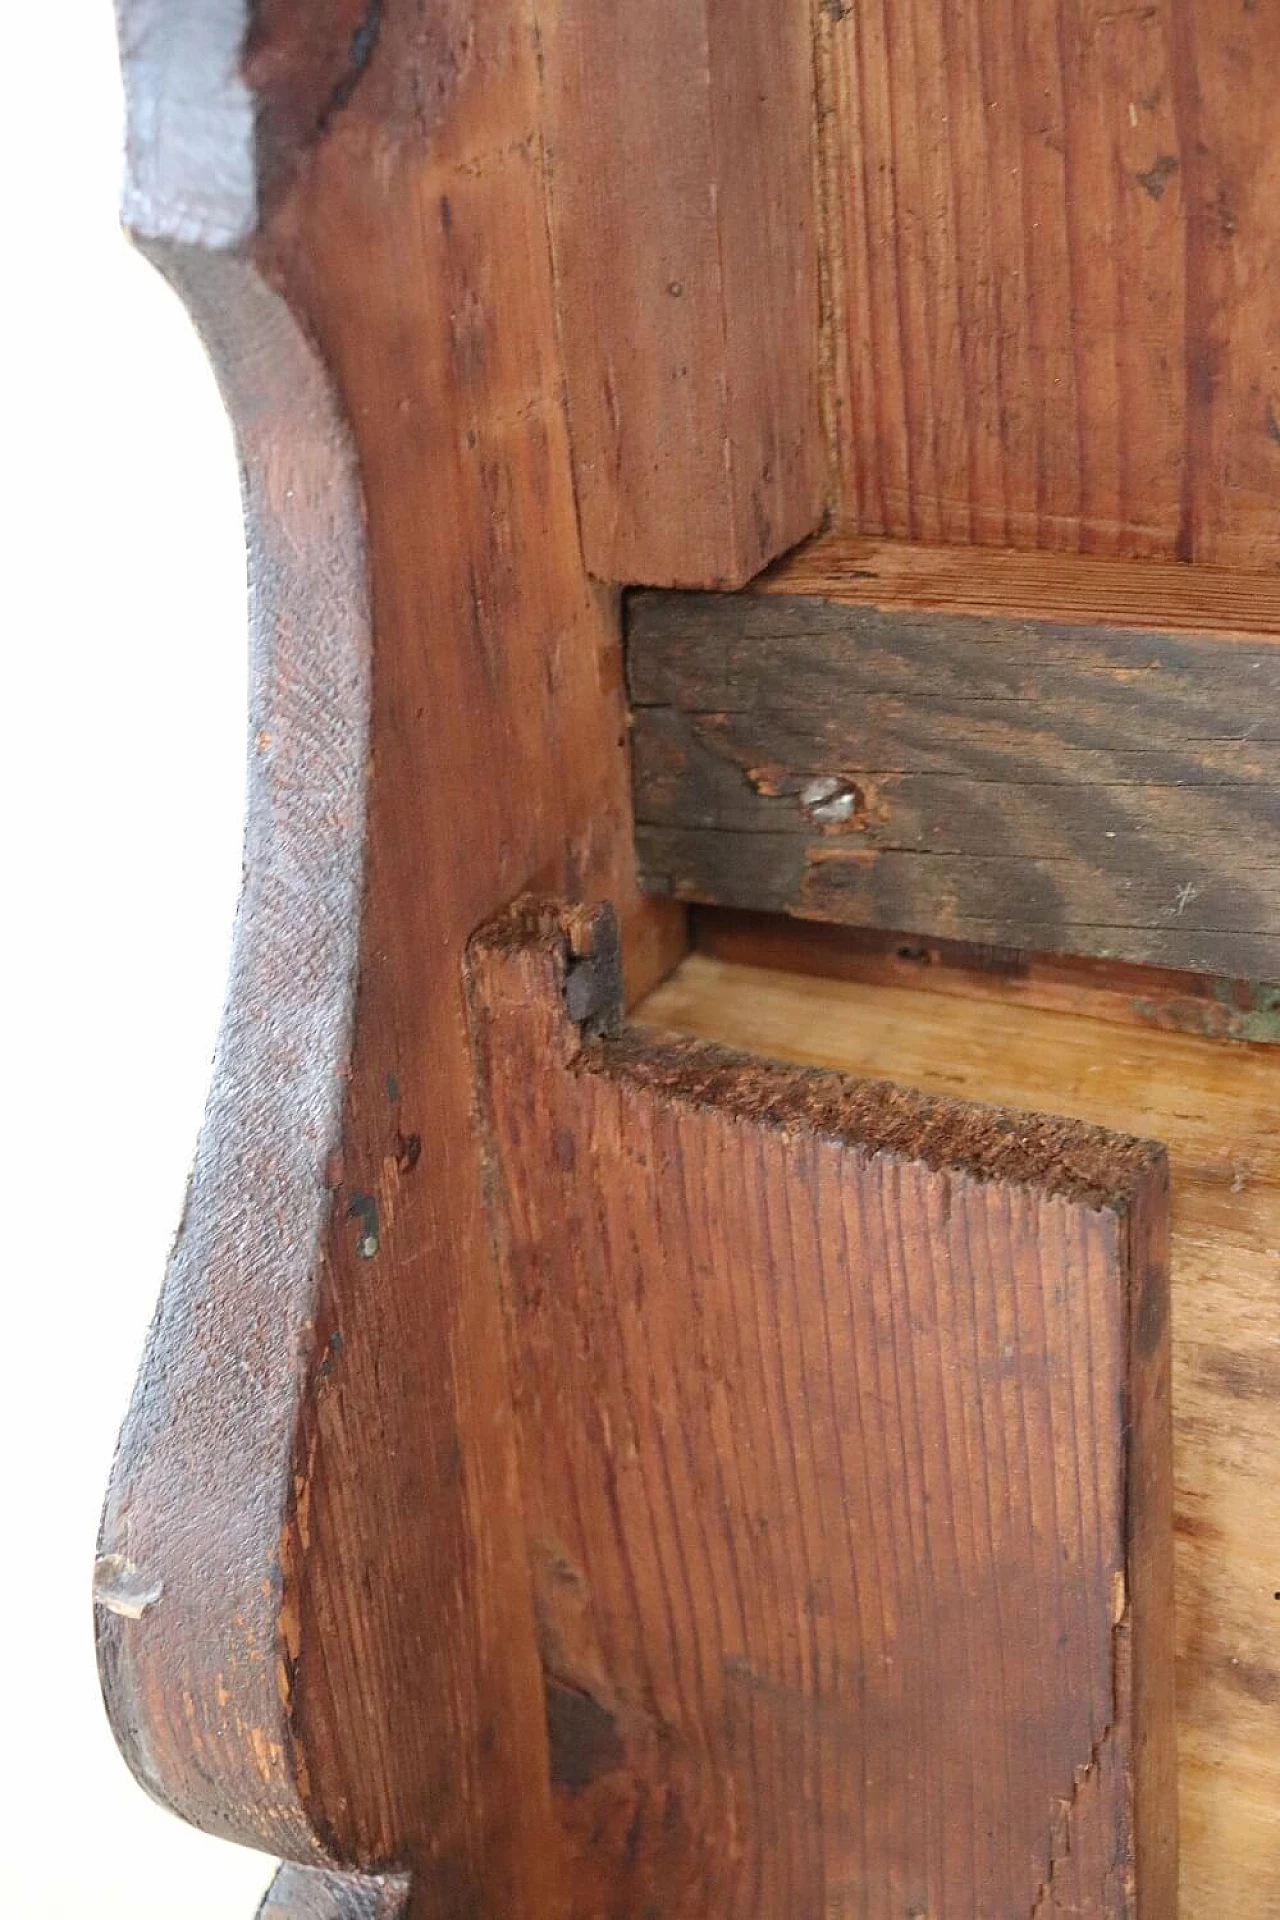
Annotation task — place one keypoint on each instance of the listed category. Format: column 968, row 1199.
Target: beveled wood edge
column 192, row 1583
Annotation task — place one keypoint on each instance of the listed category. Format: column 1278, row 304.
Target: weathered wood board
column 843, row 1438
column 1216, row 1104
column 314, row 1619
column 1015, row 777
column 1051, row 243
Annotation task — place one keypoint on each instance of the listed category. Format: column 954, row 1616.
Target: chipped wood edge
column 192, row 1580
column 315, row 1893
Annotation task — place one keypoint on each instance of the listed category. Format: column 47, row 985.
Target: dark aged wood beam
column 971, row 749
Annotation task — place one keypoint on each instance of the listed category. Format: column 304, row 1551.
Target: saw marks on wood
column 843, row 1426
column 1217, row 1107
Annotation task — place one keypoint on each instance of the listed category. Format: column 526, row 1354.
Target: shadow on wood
column 843, row 1431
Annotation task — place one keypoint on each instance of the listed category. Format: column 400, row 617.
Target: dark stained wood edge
column 1241, row 1011
column 1068, row 1159
column 316, row 1893
column 315, row 1625
column 1054, row 785
column 1161, row 596
column 190, row 1580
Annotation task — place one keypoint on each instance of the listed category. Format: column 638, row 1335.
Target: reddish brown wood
column 1050, row 232
column 1147, row 596
column 189, row 1575
column 843, row 1423
column 1023, row 776
column 1146, row 997
column 346, row 1610
column 981, row 1035
column 681, row 171
column 315, row 1893
column 315, row 1615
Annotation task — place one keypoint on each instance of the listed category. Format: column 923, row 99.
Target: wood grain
column 1030, row 782
column 1049, row 234
column 681, row 168
column 316, row 1893
column 315, row 1613
column 187, row 1579
column 1217, row 1106
column 1151, row 596
column 843, row 1422
column 1158, row 998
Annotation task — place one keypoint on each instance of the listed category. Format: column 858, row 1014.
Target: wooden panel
column 844, row 1444
column 1217, row 1107
column 1051, row 230
column 680, row 142
column 315, row 1621
column 1027, row 781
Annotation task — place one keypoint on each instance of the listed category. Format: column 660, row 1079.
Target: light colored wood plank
column 1155, row 997
column 845, row 1455
column 1217, row 1107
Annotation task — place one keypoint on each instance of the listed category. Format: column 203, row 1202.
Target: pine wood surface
column 1159, row 998
column 1051, row 231
column 843, row 1421
column 1069, row 589
column 1216, row 1105
column 322, row 1629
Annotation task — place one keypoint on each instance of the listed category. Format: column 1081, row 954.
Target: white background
column 123, row 763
